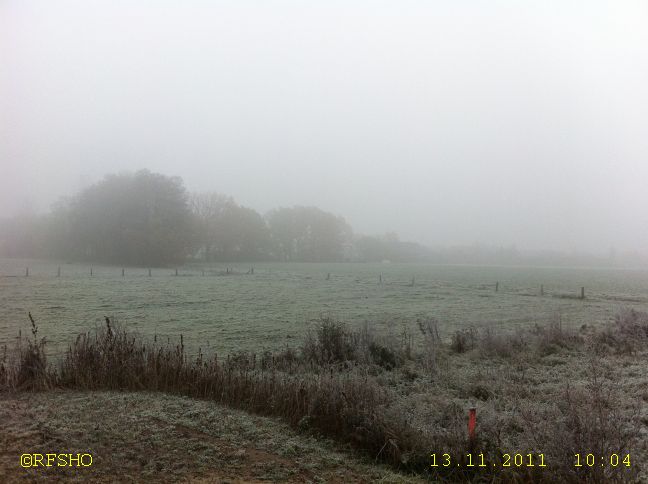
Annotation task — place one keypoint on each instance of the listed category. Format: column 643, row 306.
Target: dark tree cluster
column 135, row 219
column 226, row 231
column 309, row 234
column 149, row 219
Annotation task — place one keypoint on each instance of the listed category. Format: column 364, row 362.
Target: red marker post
column 472, row 423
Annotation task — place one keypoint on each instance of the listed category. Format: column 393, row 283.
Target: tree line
column 149, row 219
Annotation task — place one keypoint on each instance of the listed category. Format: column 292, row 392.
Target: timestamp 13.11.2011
column 480, row 460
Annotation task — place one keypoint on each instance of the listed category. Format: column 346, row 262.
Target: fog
column 450, row 123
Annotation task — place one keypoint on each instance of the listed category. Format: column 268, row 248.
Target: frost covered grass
column 224, row 313
column 156, row 437
column 398, row 398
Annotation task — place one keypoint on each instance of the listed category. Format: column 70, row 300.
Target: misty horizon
column 497, row 125
column 475, row 253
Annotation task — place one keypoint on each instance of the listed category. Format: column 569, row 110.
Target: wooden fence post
column 583, row 292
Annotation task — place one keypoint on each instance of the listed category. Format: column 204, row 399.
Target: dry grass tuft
column 628, row 334
column 26, row 367
column 588, row 418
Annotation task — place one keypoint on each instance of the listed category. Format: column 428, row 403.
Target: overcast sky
column 451, row 122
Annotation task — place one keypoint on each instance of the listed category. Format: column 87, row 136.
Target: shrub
column 331, row 343
column 463, row 340
column 383, row 356
column 633, row 323
column 628, row 334
column 491, row 343
column 588, row 419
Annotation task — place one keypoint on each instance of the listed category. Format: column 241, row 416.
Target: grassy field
column 268, row 309
column 549, row 374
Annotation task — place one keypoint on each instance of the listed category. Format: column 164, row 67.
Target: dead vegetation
column 540, row 340
column 590, row 418
column 627, row 335
column 395, row 399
